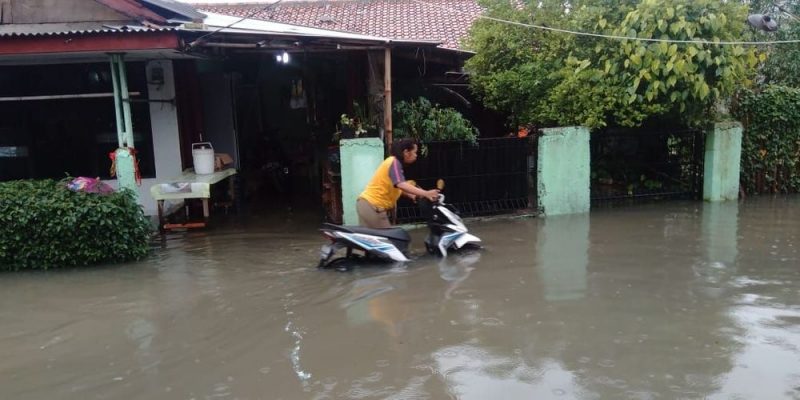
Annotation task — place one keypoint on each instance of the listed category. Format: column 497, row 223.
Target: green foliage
column 561, row 79
column 685, row 78
column 513, row 66
column 427, row 122
column 44, row 225
column 782, row 66
column 771, row 141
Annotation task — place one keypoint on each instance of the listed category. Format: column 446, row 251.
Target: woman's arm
column 406, row 187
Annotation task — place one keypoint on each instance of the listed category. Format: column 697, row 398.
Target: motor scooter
column 446, row 231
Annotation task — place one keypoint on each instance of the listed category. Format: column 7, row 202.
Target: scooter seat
column 389, row 233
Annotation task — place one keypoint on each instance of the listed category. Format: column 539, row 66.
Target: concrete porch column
column 125, row 162
column 723, row 156
column 359, row 159
column 564, row 171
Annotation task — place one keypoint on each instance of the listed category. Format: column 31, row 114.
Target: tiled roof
column 445, row 21
column 230, row 24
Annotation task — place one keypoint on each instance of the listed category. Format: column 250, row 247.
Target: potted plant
column 357, row 126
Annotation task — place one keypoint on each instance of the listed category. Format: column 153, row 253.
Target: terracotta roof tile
column 396, row 19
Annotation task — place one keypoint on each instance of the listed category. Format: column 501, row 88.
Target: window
column 48, row 137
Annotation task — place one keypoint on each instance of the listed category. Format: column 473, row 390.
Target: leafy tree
column 513, row 67
column 782, row 66
column 562, row 79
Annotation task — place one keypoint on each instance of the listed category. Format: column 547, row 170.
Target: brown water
column 685, row 300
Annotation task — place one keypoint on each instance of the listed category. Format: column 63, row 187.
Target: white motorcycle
column 446, row 231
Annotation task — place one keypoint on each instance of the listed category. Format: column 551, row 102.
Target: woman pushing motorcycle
column 387, row 185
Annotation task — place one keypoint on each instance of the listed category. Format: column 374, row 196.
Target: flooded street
column 665, row 301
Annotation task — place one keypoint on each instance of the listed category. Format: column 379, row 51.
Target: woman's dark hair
column 399, row 146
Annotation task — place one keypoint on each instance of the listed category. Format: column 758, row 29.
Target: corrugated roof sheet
column 395, row 19
column 73, row 28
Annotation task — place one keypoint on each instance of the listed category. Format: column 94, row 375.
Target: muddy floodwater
column 663, row 301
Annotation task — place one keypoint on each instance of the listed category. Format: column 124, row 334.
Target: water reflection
column 374, row 299
column 763, row 297
column 456, row 268
column 562, row 256
column 472, row 372
column 720, row 232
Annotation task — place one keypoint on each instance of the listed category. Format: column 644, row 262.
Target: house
column 84, row 78
column 436, row 73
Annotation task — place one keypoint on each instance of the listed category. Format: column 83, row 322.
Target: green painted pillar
column 359, row 160
column 126, row 173
column 563, row 171
column 722, row 162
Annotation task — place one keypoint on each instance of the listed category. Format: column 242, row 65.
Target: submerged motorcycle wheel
column 340, row 264
column 345, row 263
column 431, row 249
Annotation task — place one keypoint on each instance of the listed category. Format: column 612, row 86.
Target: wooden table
column 200, row 189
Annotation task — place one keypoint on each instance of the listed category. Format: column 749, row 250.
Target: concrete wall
column 723, row 162
column 166, row 139
column 359, row 160
column 564, row 171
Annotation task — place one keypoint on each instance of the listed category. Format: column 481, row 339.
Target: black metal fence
column 637, row 164
column 491, row 177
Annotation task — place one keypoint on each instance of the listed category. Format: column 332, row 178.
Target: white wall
column 166, row 138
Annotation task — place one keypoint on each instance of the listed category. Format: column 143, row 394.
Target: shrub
column 771, row 139
column 426, row 122
column 44, row 225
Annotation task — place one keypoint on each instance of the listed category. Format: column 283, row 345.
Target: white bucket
column 203, row 158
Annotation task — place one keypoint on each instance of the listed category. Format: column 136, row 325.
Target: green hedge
column 771, row 141
column 45, row 225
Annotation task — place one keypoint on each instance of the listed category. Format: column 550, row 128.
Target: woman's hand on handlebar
column 432, row 195
column 409, row 189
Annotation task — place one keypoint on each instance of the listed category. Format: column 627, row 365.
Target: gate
column 492, row 177
column 638, row 164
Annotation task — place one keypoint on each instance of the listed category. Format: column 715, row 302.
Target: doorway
column 286, row 116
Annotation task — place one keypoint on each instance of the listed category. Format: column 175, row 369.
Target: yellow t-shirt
column 382, row 191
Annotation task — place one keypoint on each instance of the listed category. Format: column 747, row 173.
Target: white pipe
column 117, row 99
column 125, row 97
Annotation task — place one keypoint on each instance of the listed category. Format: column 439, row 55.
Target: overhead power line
column 250, row 15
